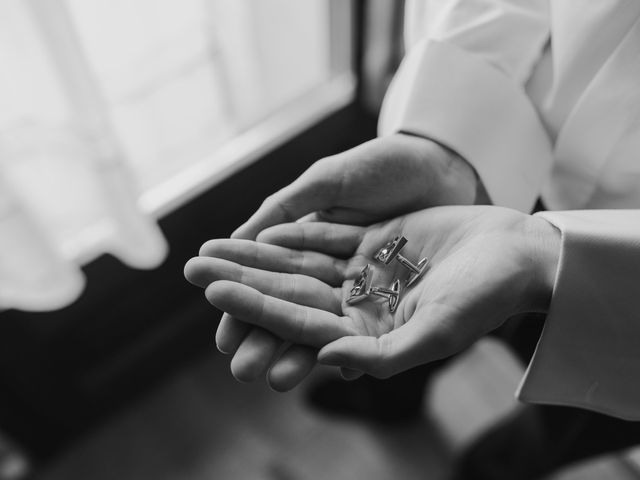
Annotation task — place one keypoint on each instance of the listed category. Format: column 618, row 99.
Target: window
column 186, row 91
column 195, row 87
column 115, row 112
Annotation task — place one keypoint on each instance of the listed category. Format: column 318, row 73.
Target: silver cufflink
column 392, row 294
column 391, row 251
column 362, row 288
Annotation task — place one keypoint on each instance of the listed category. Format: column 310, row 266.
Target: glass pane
column 181, row 78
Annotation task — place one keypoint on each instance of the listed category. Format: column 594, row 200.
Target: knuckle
column 278, row 202
column 270, row 202
column 286, row 212
column 322, row 174
column 330, row 233
column 288, row 287
column 263, row 237
column 297, row 261
column 301, row 329
column 319, row 167
column 271, row 198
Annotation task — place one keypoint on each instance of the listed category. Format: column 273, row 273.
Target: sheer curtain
column 64, row 177
column 102, row 100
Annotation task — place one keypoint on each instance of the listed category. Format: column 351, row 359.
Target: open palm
column 377, row 180
column 485, row 266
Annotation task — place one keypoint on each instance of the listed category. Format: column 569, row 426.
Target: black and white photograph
column 319, row 240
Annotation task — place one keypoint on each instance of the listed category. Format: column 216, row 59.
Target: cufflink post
column 391, row 251
column 362, row 288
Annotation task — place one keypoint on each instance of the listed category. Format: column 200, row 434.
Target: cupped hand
column 377, row 180
column 486, row 265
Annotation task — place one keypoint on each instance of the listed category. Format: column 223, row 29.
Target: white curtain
column 104, row 100
column 65, row 188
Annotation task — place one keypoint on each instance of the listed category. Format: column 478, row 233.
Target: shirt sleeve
column 588, row 355
column 461, row 83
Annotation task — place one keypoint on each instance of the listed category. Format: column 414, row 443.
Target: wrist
column 543, row 241
column 452, row 180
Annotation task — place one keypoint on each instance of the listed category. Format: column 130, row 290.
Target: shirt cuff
column 458, row 99
column 588, row 355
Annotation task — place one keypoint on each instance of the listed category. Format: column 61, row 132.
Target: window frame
column 273, row 131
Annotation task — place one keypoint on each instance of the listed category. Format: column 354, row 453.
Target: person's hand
column 486, row 265
column 377, row 180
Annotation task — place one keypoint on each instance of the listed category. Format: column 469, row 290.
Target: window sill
column 249, row 146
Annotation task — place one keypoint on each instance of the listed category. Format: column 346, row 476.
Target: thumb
column 412, row 344
column 358, row 353
column 314, row 190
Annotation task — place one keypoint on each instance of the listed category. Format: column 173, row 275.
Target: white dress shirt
column 542, row 97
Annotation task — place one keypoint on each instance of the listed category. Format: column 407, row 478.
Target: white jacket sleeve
column 462, row 84
column 589, row 352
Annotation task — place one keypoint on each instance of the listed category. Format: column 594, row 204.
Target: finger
column 293, row 366
column 295, row 288
column 352, row 216
column 230, row 333
column 252, row 358
column 311, row 217
column 289, row 321
column 421, row 340
column 330, row 238
column 314, row 190
column 254, row 355
column 363, row 353
column 273, row 258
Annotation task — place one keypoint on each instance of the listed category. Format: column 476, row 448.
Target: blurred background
column 131, row 131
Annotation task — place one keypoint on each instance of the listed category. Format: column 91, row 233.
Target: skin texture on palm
column 375, row 181
column 487, row 264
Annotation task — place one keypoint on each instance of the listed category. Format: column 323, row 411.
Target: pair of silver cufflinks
column 363, row 288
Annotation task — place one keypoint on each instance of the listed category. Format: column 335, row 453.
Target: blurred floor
column 202, row 424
